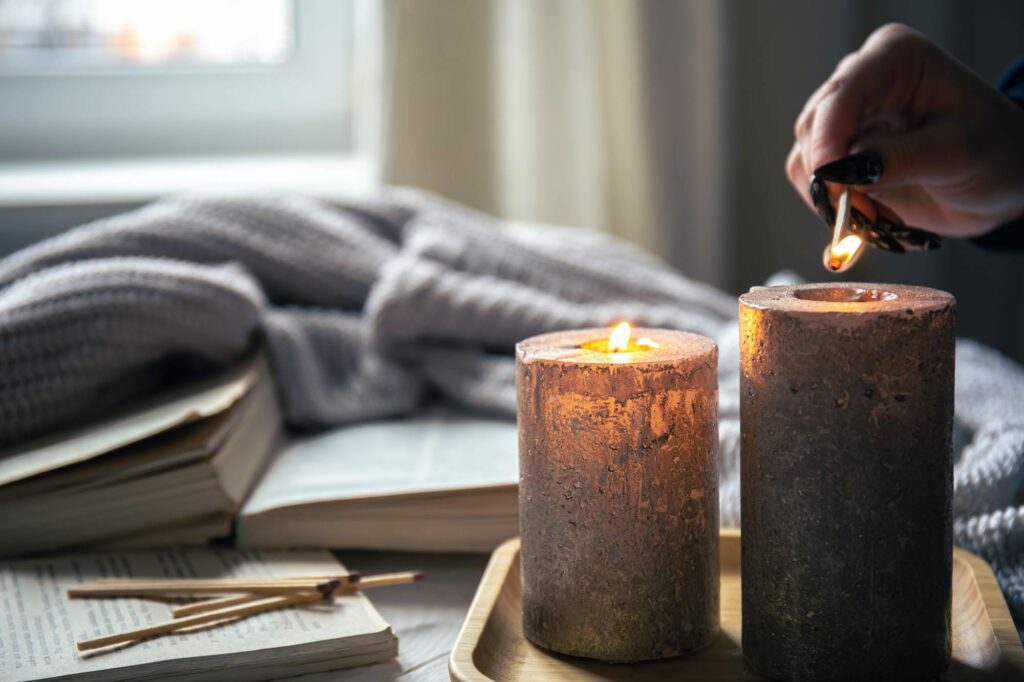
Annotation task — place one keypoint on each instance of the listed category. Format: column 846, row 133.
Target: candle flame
column 842, row 255
column 618, row 341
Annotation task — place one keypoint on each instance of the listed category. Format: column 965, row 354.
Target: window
column 101, row 79
column 85, row 36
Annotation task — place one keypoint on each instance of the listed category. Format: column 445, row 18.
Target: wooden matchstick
column 382, row 580
column 233, row 612
column 214, row 604
column 186, row 587
column 305, row 579
column 385, row 579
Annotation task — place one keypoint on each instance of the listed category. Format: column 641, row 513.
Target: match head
column 352, row 577
column 328, row 587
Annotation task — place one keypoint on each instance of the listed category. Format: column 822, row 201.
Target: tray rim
column 462, row 669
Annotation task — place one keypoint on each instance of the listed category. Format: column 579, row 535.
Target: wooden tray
column 491, row 644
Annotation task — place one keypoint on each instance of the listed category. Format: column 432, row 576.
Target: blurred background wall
column 668, row 123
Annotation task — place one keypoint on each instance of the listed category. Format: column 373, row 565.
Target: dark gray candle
column 847, row 408
column 618, row 493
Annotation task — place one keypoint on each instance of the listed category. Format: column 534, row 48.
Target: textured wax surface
column 618, row 494
column 367, row 304
column 846, row 475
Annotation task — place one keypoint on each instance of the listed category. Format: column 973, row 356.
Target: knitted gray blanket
column 366, row 306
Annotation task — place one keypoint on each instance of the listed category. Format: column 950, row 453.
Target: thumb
column 929, row 154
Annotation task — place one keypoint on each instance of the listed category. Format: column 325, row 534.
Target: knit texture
column 368, row 306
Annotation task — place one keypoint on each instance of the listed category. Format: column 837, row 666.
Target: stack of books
column 206, row 460
column 174, row 470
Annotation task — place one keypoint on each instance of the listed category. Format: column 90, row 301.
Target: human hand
column 924, row 139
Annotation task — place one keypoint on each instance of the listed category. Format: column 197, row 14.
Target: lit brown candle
column 618, row 492
column 846, row 413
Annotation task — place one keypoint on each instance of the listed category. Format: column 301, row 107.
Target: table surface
column 426, row 616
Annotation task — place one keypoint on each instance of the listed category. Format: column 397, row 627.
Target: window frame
column 316, row 102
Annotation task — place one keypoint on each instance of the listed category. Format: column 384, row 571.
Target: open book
column 41, row 626
column 445, row 481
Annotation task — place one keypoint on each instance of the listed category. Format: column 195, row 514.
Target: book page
column 163, row 412
column 39, row 625
column 168, row 450
column 440, row 450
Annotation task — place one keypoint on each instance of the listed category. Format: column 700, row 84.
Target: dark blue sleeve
column 1008, row 237
column 1011, row 83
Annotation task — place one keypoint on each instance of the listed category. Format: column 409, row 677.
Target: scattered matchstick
column 213, row 604
column 385, row 579
column 342, row 577
column 242, row 597
column 186, row 587
column 261, row 606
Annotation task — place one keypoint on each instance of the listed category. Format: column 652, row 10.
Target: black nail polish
column 881, row 239
column 909, row 238
column 819, row 197
column 870, row 232
column 859, row 223
column 862, row 168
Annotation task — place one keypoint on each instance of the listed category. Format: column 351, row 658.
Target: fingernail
column 881, row 239
column 819, row 197
column 859, row 223
column 909, row 238
column 862, row 168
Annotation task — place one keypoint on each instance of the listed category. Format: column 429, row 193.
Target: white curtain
column 540, row 110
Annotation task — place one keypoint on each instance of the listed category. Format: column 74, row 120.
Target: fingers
column 932, row 154
column 881, row 76
column 871, row 219
column 798, row 175
column 863, row 107
column 821, row 196
column 935, row 154
column 805, row 121
column 885, row 213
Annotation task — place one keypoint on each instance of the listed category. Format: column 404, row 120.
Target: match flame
column 618, row 342
column 842, row 255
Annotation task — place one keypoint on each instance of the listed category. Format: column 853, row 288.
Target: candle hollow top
column 848, row 298
column 581, row 346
